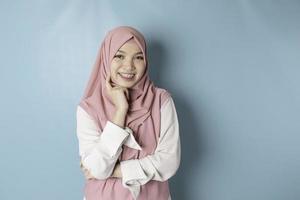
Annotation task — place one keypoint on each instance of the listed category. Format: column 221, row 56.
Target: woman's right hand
column 118, row 94
column 85, row 171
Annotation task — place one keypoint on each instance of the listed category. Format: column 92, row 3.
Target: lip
column 127, row 79
column 126, row 73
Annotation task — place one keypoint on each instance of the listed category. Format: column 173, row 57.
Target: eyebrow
column 125, row 52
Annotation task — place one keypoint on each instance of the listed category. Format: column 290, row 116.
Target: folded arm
column 99, row 151
column 165, row 161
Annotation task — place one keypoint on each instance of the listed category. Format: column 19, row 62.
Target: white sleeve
column 164, row 163
column 99, row 152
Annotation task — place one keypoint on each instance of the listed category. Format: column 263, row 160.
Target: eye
column 140, row 57
column 119, row 56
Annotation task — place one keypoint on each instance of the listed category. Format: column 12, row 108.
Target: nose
column 128, row 64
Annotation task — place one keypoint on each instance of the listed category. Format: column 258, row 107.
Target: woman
column 127, row 128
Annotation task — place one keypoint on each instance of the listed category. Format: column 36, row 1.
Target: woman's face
column 127, row 66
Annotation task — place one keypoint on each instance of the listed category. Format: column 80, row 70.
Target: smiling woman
column 127, row 128
column 128, row 66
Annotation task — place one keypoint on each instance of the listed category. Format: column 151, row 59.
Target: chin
column 121, row 84
column 127, row 85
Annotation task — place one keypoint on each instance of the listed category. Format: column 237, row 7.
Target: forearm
column 119, row 117
column 99, row 150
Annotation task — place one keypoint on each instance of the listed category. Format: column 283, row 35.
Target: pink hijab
column 143, row 117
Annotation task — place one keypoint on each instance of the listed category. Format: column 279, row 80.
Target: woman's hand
column 117, row 173
column 118, row 94
column 86, row 172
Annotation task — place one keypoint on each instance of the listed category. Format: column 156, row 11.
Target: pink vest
column 112, row 188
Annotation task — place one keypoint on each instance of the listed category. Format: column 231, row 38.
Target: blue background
column 232, row 67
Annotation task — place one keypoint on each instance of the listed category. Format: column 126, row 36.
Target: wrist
column 119, row 118
column 118, row 170
column 122, row 110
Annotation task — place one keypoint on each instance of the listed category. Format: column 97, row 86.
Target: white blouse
column 99, row 152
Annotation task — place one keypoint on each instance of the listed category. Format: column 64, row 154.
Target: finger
column 81, row 166
column 87, row 174
column 114, row 85
column 125, row 90
column 127, row 93
column 85, row 170
column 107, row 81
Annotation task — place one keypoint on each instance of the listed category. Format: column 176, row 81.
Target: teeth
column 127, row 75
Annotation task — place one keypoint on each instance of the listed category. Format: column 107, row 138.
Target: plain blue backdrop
column 232, row 67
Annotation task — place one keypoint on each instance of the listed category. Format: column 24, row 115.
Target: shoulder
column 168, row 112
column 167, row 102
column 80, row 110
column 164, row 95
column 82, row 113
column 163, row 91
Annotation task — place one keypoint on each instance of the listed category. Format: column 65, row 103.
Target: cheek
column 141, row 70
column 113, row 69
column 113, row 72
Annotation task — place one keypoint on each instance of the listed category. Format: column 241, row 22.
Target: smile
column 126, row 76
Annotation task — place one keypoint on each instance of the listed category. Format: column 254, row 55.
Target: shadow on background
column 192, row 148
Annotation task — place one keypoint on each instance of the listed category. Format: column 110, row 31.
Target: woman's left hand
column 117, row 171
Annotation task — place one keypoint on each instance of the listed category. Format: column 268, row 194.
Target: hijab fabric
column 143, row 117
